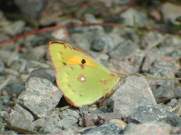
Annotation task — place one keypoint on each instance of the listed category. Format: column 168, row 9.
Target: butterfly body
column 82, row 80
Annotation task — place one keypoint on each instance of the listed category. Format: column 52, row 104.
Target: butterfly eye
column 83, row 61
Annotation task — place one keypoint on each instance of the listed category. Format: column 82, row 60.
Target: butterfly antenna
column 150, row 77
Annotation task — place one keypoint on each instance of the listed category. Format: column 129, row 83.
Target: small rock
column 176, row 131
column 18, row 64
column 163, row 90
column 127, row 34
column 31, row 8
column 61, row 34
column 159, row 48
column 15, row 28
column 105, row 129
column 70, row 118
column 83, row 37
column 98, row 117
column 2, row 124
column 8, row 57
column 15, row 88
column 174, row 41
column 3, row 36
column 38, row 52
column 40, row 96
column 171, row 12
column 99, row 44
column 96, row 39
column 1, row 66
column 152, row 128
column 105, row 42
column 102, row 59
column 37, row 40
column 119, row 123
column 155, row 14
column 149, row 113
column 57, row 121
column 124, row 49
column 128, row 64
column 151, row 39
column 135, row 91
column 173, row 102
column 149, row 58
column 90, row 18
column 175, row 106
column 177, row 91
column 80, row 41
column 9, row 132
column 20, row 118
column 45, row 73
column 134, row 17
column 122, row 67
column 4, row 100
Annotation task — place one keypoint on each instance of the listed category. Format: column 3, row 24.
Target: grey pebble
column 135, row 91
column 45, row 73
column 15, row 88
column 58, row 121
column 20, row 118
column 31, row 8
column 134, row 17
column 170, row 12
column 163, row 90
column 152, row 128
column 40, row 96
column 15, row 28
column 101, row 43
column 177, row 91
column 150, row 113
column 1, row 66
column 105, row 129
column 124, row 49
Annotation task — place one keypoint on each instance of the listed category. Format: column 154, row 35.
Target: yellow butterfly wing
column 82, row 80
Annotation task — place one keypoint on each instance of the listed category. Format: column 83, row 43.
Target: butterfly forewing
column 82, row 80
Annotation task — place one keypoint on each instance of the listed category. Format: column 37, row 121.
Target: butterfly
column 82, row 80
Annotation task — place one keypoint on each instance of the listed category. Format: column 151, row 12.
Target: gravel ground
column 138, row 39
